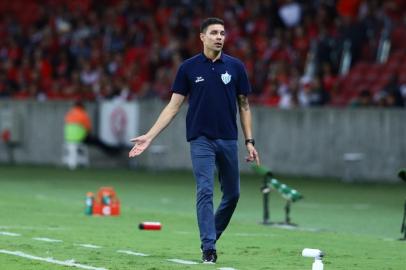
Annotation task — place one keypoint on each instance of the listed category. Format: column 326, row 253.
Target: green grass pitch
column 356, row 225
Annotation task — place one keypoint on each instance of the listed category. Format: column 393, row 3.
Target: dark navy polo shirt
column 212, row 88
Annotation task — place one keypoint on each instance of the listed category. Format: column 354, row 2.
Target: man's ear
column 202, row 37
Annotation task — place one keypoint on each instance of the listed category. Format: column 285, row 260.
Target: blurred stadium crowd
column 293, row 50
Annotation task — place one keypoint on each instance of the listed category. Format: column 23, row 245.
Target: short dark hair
column 209, row 21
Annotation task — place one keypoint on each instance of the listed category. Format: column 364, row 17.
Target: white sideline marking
column 361, row 206
column 181, row 261
column 88, row 246
column 129, row 252
column 50, row 260
column 254, row 234
column 31, row 228
column 290, row 227
column 10, row 234
column 47, row 239
column 226, row 268
column 165, row 200
column 388, row 239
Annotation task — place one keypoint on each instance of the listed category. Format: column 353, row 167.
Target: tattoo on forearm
column 243, row 103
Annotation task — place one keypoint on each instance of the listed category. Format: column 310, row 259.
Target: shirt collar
column 205, row 59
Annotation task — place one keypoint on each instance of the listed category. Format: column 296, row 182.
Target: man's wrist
column 251, row 141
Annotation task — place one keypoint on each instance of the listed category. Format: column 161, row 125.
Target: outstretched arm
column 168, row 113
column 245, row 118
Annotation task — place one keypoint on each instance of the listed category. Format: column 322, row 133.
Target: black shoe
column 209, row 256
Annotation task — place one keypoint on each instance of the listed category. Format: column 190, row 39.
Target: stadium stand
column 296, row 52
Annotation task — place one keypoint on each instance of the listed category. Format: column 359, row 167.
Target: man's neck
column 212, row 55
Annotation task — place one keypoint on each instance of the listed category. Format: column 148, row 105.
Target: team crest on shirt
column 226, row 78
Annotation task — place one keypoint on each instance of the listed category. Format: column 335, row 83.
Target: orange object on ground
column 106, row 202
column 97, row 209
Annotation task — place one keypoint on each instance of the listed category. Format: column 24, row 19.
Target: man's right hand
column 140, row 144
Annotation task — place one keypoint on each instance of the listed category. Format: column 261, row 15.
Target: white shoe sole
column 209, row 263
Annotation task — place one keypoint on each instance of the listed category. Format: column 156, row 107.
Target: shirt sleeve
column 180, row 85
column 243, row 87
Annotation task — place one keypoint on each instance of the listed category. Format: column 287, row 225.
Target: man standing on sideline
column 215, row 83
column 77, row 123
column 78, row 129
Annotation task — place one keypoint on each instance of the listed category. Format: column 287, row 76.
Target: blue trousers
column 206, row 155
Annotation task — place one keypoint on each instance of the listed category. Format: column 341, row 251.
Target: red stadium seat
column 398, row 37
column 402, row 76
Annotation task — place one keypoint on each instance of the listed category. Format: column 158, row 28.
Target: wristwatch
column 251, row 141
